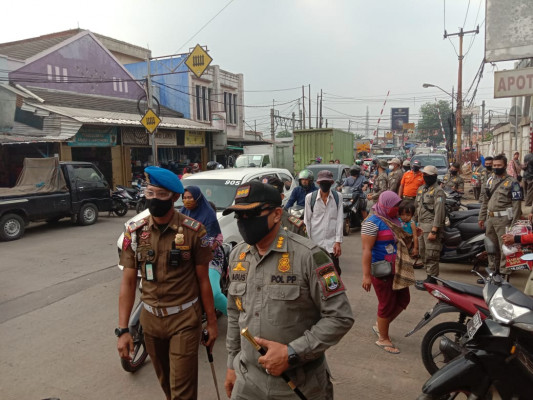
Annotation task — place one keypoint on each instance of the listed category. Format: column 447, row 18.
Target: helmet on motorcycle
column 305, row 174
column 220, row 166
column 212, row 165
column 358, row 162
column 355, row 170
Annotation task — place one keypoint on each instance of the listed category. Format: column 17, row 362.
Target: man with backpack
column 323, row 217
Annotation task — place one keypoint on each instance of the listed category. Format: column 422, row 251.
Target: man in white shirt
column 323, row 217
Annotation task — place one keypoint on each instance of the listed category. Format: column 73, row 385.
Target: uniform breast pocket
column 283, row 305
column 237, row 291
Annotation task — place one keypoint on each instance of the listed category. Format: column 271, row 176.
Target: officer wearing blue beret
column 173, row 256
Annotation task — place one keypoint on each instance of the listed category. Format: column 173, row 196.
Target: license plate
column 473, row 325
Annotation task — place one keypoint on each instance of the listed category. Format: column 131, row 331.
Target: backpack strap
column 315, row 194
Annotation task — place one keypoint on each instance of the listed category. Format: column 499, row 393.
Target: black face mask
column 325, row 186
column 430, row 179
column 499, row 171
column 416, row 169
column 454, row 172
column 254, row 229
column 159, row 208
column 406, row 168
column 489, row 168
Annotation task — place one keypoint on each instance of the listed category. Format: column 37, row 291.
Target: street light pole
column 428, row 85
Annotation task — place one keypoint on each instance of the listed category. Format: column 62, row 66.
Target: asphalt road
column 58, row 310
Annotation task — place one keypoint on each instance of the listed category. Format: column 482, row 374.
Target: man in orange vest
column 411, row 181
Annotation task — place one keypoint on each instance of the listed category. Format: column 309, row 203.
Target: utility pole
column 303, row 105
column 293, row 122
column 321, row 108
column 309, row 106
column 482, row 121
column 317, row 103
column 459, row 116
column 272, row 123
column 149, row 101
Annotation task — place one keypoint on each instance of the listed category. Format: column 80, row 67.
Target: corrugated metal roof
column 55, row 129
column 95, row 102
column 101, row 117
column 24, row 49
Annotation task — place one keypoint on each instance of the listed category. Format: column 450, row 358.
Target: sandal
column 375, row 330
column 387, row 348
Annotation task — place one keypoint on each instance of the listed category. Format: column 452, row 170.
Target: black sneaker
column 420, row 284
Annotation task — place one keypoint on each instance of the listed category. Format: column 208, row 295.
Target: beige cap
column 430, row 170
column 395, row 161
column 407, row 163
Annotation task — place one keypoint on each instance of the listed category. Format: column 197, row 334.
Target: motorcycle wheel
column 454, row 396
column 119, row 208
column 346, row 227
column 139, row 353
column 141, row 206
column 440, row 345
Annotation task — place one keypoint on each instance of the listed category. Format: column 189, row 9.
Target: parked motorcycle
column 499, row 350
column 297, row 211
column 440, row 344
column 119, row 206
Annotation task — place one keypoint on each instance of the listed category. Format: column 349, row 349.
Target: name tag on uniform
column 149, row 272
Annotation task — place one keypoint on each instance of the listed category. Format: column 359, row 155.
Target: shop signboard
column 94, row 137
column 399, row 116
column 164, row 138
column 194, row 139
column 134, row 137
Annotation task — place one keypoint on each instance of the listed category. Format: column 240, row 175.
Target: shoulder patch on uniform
column 330, row 281
column 321, row 258
column 191, row 224
column 302, row 240
column 295, row 221
column 134, row 225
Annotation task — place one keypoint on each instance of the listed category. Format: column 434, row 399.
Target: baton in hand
column 262, row 351
column 205, row 337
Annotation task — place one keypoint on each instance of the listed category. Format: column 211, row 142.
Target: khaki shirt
column 395, row 178
column 501, row 199
column 485, row 174
column 291, row 295
column 454, row 182
column 380, row 185
column 293, row 224
column 430, row 207
column 144, row 244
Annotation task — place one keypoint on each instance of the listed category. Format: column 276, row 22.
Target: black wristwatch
column 121, row 331
column 293, row 357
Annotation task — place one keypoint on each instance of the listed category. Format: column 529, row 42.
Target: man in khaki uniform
column 477, row 178
column 288, row 222
column 501, row 207
column 395, row 175
column 381, row 183
column 173, row 258
column 430, row 215
column 287, row 292
column 485, row 174
column 453, row 180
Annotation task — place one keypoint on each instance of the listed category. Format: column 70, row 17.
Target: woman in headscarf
column 196, row 206
column 379, row 237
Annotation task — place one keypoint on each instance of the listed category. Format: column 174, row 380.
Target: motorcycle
column 139, row 347
column 297, row 211
column 119, row 205
column 499, row 352
column 441, row 344
column 353, row 203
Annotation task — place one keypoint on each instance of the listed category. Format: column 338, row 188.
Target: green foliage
column 429, row 120
column 283, row 134
column 358, row 136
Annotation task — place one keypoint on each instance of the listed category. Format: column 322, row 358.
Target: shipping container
column 329, row 144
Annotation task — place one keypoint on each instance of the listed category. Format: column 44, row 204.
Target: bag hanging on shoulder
column 380, row 269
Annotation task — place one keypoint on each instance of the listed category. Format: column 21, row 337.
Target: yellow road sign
column 150, row 121
column 198, row 61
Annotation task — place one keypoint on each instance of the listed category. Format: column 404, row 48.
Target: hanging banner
column 194, row 139
column 134, row 136
column 94, row 137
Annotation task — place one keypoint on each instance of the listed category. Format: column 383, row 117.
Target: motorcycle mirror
column 527, row 257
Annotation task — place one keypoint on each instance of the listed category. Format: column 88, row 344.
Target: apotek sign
column 512, row 83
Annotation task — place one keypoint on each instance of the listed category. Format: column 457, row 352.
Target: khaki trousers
column 494, row 230
column 430, row 250
column 172, row 343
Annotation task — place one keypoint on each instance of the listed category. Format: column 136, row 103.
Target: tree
column 429, row 122
column 358, row 136
column 283, row 134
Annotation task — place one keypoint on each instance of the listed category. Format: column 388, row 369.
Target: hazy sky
column 354, row 50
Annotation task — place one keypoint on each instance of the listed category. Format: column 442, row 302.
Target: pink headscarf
column 386, row 201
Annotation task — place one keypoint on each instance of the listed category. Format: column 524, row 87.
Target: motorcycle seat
column 469, row 230
column 449, row 234
column 458, row 215
column 473, row 206
column 465, row 288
